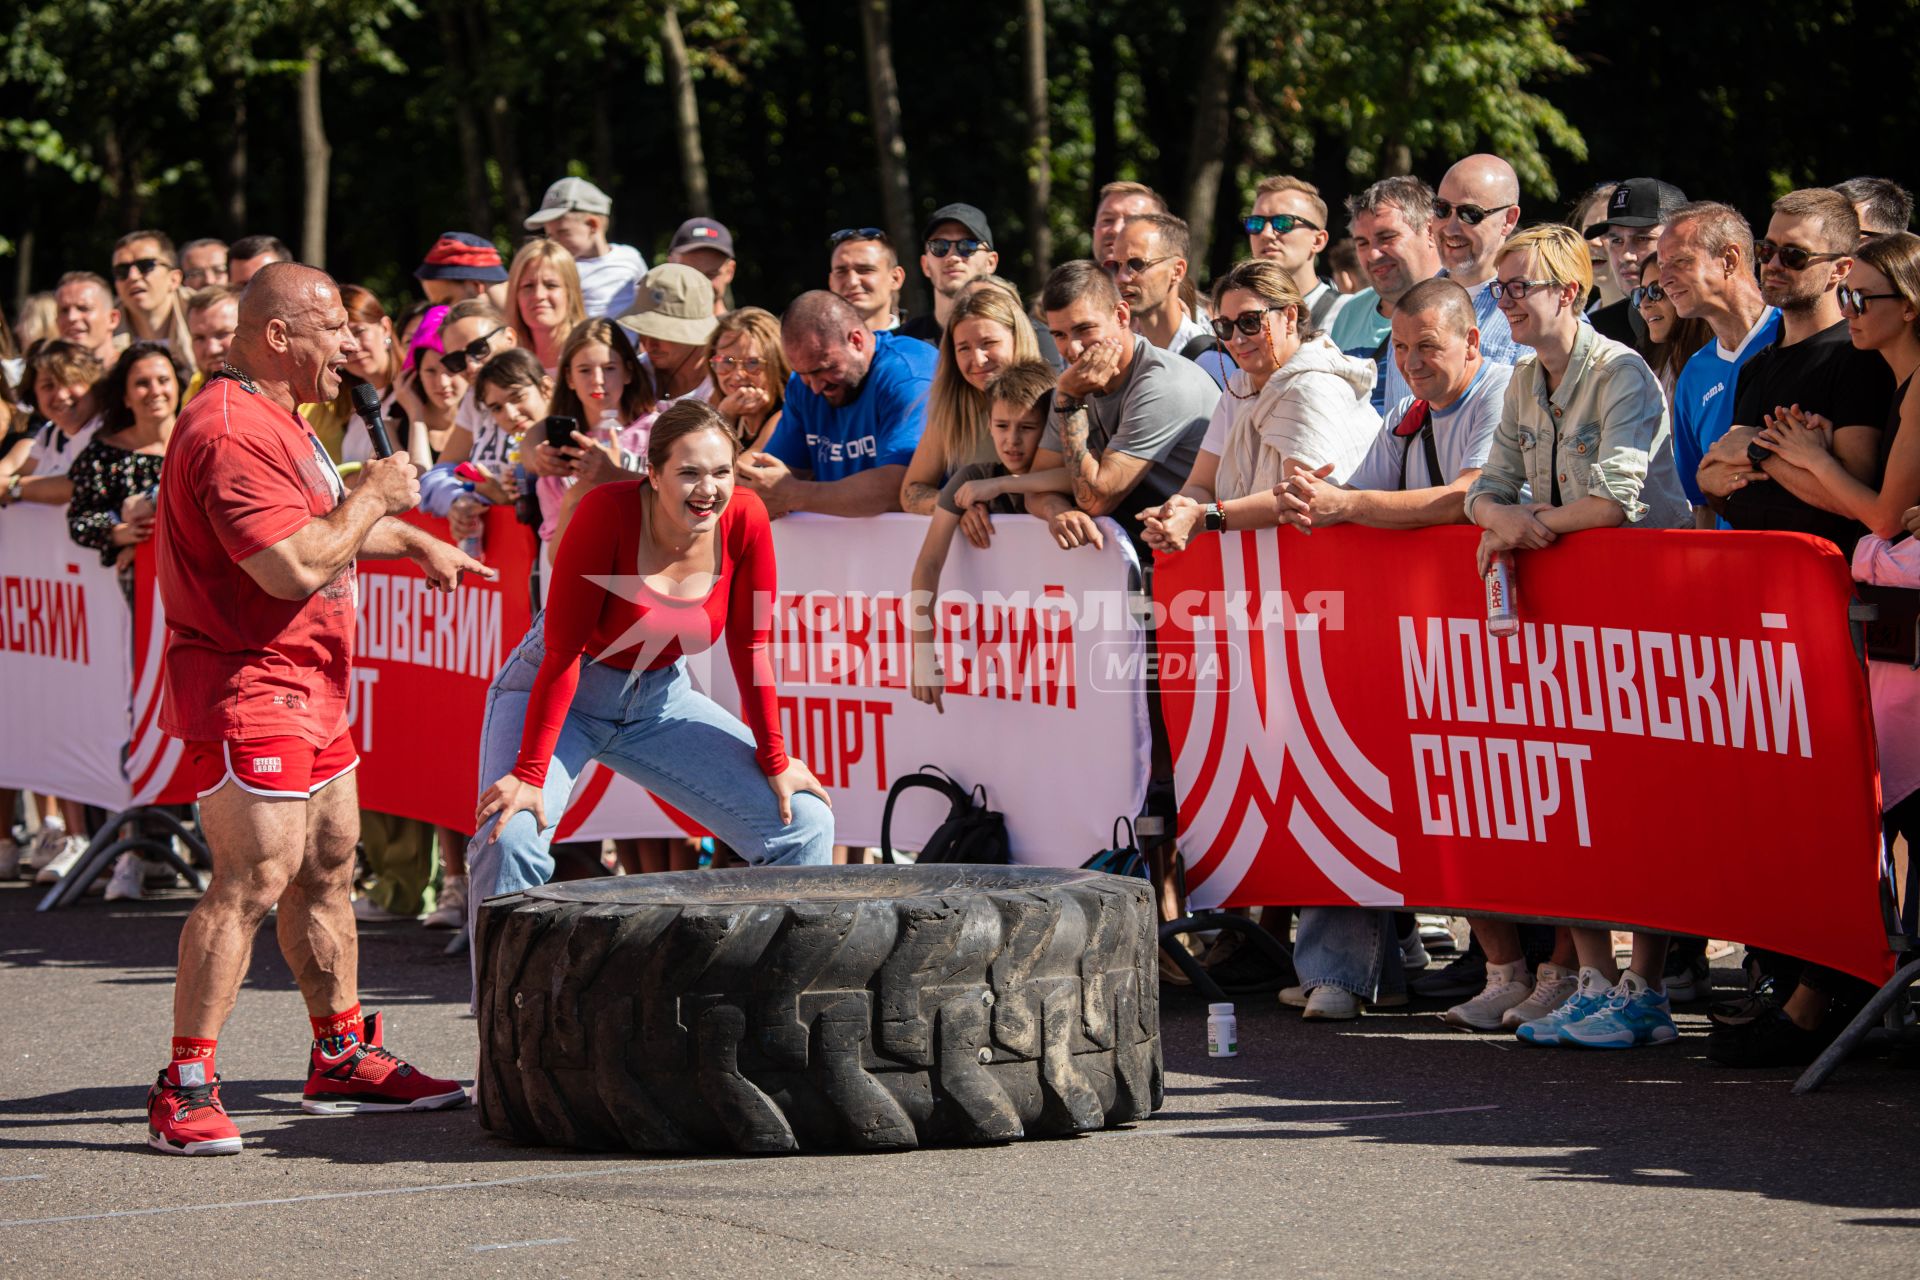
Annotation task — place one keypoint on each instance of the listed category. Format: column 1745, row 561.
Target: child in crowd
column 1017, row 417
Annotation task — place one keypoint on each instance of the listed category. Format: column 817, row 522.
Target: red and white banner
column 1043, row 657
column 63, row 655
column 1679, row 738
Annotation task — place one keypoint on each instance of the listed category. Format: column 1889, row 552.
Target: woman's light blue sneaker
column 1587, row 998
column 1628, row 1018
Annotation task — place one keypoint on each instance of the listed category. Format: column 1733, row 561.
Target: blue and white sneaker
column 1634, row 1014
column 1588, row 997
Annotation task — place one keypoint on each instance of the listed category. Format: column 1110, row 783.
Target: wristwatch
column 13, row 490
column 1067, row 404
column 1215, row 517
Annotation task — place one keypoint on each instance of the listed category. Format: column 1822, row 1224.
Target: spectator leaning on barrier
column 1583, row 434
column 707, row 247
column 1018, row 397
column 1881, row 300
column 864, row 271
column 1475, row 209
column 1127, row 417
column 459, row 266
column 1882, row 205
column 576, row 214
column 147, row 277
column 856, row 406
column 1706, row 273
column 986, row 331
column 213, row 317
column 62, row 380
column 955, row 250
column 749, row 374
column 203, row 262
column 1296, row 403
column 1288, row 226
column 250, row 253
column 87, row 315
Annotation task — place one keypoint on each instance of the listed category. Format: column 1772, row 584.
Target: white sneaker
column 63, row 861
column 1552, row 987
column 1331, row 1004
column 128, row 878
column 367, row 911
column 1507, row 987
column 46, row 845
column 1293, row 997
column 9, row 859
column 451, row 911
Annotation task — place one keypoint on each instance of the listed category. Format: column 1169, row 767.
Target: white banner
column 64, row 630
column 1046, row 706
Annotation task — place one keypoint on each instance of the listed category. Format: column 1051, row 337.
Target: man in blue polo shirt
column 856, row 405
column 1706, row 269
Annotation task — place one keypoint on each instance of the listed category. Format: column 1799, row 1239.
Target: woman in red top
column 649, row 571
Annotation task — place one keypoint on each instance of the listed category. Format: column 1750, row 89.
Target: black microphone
column 366, row 403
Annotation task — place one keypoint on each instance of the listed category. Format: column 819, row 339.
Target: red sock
column 192, row 1063
column 339, row 1025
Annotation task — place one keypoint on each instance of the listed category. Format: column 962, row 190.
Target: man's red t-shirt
column 243, row 473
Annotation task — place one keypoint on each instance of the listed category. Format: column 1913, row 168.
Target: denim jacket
column 1603, row 432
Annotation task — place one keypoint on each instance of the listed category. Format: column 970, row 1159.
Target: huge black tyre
column 818, row 1008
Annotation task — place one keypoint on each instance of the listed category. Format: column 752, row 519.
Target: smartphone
column 560, row 431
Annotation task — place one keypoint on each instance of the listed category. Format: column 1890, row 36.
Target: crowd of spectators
column 1647, row 362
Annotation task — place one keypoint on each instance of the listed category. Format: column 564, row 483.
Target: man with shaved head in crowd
column 1474, row 211
column 856, row 405
column 256, row 544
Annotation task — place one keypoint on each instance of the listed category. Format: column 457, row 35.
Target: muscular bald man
column 255, row 551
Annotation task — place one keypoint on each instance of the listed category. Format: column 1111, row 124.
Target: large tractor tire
column 818, row 1008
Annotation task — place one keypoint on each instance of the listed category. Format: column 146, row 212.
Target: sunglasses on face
column 1518, row 289
column 1648, row 293
column 1134, row 266
column 727, row 364
column 1791, row 256
column 475, row 352
column 1854, row 302
column 143, row 266
column 1247, row 322
column 845, row 234
column 1282, row 223
column 1471, row 215
column 964, row 248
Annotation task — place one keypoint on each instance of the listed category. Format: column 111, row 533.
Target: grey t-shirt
column 1007, row 504
column 1159, row 413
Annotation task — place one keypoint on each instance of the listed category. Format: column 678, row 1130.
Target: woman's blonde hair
column 957, row 415
column 636, row 399
column 1559, row 251
column 1897, row 257
column 533, row 255
column 764, row 328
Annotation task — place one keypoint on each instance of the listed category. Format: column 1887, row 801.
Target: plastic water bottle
column 1503, row 614
column 1223, row 1032
column 475, row 543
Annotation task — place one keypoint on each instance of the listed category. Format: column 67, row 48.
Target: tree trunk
column 1103, row 101
column 1207, row 146
column 29, row 210
column 1039, row 144
column 231, row 175
column 686, row 115
column 473, row 163
column 513, row 184
column 883, row 91
column 602, row 134
column 316, row 162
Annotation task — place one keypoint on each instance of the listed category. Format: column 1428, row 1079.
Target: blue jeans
column 652, row 727
column 1356, row 949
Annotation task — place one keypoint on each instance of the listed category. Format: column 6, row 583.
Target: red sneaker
column 365, row 1077
column 187, row 1120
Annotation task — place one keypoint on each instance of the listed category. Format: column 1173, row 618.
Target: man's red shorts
column 283, row 768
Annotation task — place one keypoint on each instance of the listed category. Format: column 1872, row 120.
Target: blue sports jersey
column 879, row 427
column 1703, row 399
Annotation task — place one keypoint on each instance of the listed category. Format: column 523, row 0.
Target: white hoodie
column 1316, row 409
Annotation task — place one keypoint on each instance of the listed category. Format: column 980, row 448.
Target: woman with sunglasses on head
column 749, row 374
column 1583, row 443
column 987, row 330
column 1295, row 403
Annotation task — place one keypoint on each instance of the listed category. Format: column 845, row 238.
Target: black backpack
column 971, row 832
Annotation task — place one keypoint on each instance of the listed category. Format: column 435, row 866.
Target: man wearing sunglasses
column 146, row 277
column 1288, row 225
column 1706, row 272
column 1474, row 211
column 1811, row 370
column 865, row 272
column 956, row 249
column 1148, row 267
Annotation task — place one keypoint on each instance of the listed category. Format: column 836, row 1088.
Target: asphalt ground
column 1391, row 1146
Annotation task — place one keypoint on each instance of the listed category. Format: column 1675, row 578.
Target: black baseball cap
column 1639, row 202
column 967, row 216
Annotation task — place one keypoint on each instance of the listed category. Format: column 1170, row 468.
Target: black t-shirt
column 1615, row 322
column 925, row 328
column 1007, row 504
column 1825, row 374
